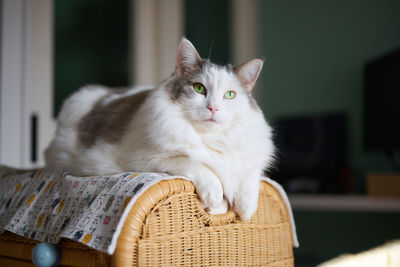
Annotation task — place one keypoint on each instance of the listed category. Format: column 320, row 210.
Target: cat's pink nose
column 213, row 109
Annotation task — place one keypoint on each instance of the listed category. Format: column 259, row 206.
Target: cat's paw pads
column 245, row 205
column 222, row 209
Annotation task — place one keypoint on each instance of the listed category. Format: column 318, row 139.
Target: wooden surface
column 325, row 202
column 383, row 184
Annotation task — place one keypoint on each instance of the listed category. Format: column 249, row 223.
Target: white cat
column 201, row 122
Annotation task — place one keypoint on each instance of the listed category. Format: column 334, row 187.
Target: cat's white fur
column 224, row 157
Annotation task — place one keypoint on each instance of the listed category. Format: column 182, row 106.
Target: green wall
column 314, row 54
column 207, row 27
column 90, row 45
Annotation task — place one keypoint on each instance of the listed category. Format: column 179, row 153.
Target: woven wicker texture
column 168, row 227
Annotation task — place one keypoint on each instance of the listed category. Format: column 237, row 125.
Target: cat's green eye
column 230, row 95
column 199, row 88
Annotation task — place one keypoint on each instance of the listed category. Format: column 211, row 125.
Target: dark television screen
column 382, row 103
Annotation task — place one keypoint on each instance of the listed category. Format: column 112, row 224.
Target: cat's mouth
column 211, row 120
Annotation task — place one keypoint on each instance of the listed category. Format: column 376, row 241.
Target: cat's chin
column 212, row 123
column 208, row 124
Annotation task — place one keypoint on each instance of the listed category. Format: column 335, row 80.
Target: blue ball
column 44, row 255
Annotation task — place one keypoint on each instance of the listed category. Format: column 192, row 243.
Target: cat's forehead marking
column 219, row 77
column 206, row 63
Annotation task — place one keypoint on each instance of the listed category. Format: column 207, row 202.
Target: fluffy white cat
column 201, row 122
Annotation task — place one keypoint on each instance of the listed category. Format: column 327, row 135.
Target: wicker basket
column 168, row 227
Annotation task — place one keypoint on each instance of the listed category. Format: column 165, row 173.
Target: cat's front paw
column 245, row 200
column 245, row 205
column 222, row 209
column 210, row 193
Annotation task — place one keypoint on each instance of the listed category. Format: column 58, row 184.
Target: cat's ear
column 248, row 73
column 187, row 60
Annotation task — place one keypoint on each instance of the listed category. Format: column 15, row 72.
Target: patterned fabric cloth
column 47, row 205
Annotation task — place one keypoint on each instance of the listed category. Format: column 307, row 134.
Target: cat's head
column 212, row 96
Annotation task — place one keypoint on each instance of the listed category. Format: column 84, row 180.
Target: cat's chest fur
column 159, row 128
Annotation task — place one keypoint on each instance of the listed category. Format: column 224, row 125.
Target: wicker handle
column 203, row 216
column 126, row 252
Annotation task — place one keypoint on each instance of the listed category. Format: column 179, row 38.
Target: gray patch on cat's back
column 109, row 122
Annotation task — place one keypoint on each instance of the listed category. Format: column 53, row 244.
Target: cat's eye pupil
column 199, row 88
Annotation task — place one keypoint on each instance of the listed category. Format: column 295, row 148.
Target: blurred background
column 330, row 87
